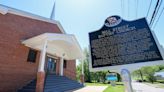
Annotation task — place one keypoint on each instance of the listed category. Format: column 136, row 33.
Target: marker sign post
column 112, row 77
column 121, row 44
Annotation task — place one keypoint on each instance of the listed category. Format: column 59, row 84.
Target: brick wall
column 15, row 71
column 70, row 70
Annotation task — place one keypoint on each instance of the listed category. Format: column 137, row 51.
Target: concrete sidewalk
column 92, row 89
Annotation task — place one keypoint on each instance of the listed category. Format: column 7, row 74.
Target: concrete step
column 53, row 83
column 26, row 90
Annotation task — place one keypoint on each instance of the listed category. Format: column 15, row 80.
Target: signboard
column 111, row 77
column 123, row 44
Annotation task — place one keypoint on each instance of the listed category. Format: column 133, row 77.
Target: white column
column 42, row 57
column 61, row 66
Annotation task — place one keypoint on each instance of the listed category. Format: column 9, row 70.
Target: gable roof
column 5, row 9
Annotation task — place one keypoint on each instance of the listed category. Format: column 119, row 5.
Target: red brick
column 40, row 81
column 15, row 71
column 70, row 70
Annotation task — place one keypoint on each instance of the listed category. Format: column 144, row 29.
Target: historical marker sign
column 121, row 44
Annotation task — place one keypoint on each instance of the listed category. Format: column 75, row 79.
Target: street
column 140, row 87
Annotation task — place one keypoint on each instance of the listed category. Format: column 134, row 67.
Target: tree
column 149, row 72
column 161, row 67
column 94, row 77
column 90, row 76
column 119, row 77
column 85, row 65
column 138, row 73
column 78, row 72
column 101, row 76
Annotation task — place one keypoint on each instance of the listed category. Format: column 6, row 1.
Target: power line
column 154, row 12
column 149, row 8
column 158, row 17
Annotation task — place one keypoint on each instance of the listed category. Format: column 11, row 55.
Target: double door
column 51, row 65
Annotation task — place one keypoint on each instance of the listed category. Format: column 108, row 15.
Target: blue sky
column 82, row 16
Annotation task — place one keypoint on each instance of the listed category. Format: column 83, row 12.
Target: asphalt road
column 140, row 87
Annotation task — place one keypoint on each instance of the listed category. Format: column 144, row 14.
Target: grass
column 118, row 88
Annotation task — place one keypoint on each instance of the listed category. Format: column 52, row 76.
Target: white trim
column 58, row 44
column 5, row 9
column 78, row 45
column 51, row 56
column 60, row 26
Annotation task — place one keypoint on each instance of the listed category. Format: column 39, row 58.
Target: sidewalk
column 92, row 89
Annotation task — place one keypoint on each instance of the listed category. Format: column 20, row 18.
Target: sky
column 79, row 17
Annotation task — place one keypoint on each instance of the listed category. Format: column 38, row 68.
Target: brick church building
column 32, row 46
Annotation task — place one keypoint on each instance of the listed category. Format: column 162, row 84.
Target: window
column 65, row 64
column 32, row 55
